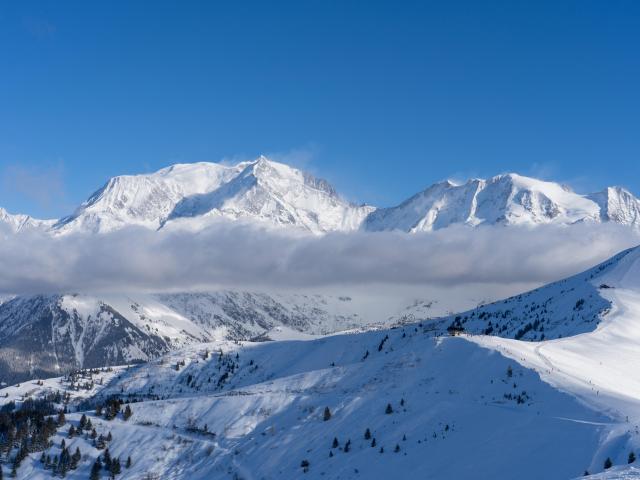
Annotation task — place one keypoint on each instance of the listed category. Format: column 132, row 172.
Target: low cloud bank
column 232, row 255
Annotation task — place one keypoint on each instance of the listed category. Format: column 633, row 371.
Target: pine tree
column 373, row 443
column 608, row 463
column 330, row 453
column 109, row 437
column 347, row 446
column 367, row 434
column 389, row 409
column 335, row 444
column 61, row 418
column 327, row 414
column 127, row 413
column 397, row 449
column 305, row 465
column 95, row 470
column 128, row 465
column 115, row 468
column 632, row 457
column 106, row 459
column 381, row 449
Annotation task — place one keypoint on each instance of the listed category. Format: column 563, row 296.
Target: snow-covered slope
column 509, row 199
column 145, row 200
column 600, row 366
column 561, row 309
column 266, row 190
column 46, row 335
column 257, row 411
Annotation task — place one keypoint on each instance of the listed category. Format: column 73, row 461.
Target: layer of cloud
column 231, row 255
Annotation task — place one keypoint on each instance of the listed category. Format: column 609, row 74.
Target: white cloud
column 232, row 255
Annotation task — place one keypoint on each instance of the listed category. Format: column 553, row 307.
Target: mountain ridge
column 195, row 195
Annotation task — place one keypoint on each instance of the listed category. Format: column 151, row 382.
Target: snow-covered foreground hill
column 406, row 401
column 257, row 411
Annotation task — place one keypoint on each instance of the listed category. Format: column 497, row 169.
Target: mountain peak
column 266, row 190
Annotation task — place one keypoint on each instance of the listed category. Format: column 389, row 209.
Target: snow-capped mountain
column 10, row 224
column 194, row 196
column 405, row 402
column 509, row 199
column 191, row 195
column 277, row 193
column 46, row 335
column 145, row 200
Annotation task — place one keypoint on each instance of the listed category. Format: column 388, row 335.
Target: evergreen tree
column 632, row 457
column 61, row 418
column 397, row 449
column 330, row 453
column 389, row 409
column 75, row 459
column 109, row 436
column 335, row 444
column 95, row 470
column 327, row 414
column 608, row 463
column 367, row 434
column 114, row 468
column 106, row 459
column 305, row 465
column 381, row 449
column 373, row 443
column 347, row 446
column 127, row 413
column 128, row 465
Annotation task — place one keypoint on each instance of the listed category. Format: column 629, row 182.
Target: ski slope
column 602, row 367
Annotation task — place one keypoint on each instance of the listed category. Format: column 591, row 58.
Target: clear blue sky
column 380, row 98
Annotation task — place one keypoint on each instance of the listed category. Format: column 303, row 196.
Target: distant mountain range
column 193, row 196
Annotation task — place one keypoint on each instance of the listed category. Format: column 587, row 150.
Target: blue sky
column 380, row 98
